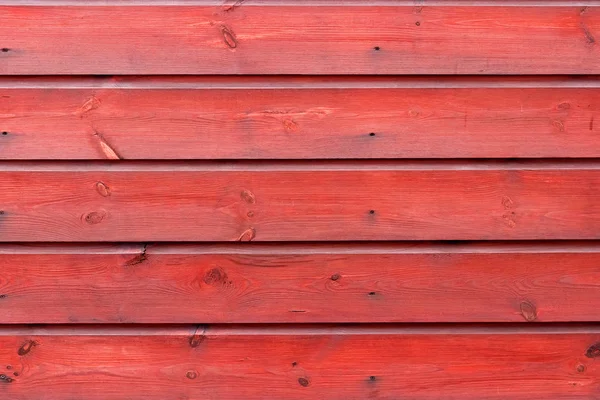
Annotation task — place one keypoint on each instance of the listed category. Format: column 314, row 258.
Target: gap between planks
column 303, row 165
column 276, row 248
column 299, row 329
column 275, row 82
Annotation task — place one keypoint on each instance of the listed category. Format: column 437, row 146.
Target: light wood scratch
column 106, row 148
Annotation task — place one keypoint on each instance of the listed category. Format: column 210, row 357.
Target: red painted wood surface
column 299, row 201
column 298, row 118
column 499, row 282
column 145, row 156
column 313, row 37
column 304, row 362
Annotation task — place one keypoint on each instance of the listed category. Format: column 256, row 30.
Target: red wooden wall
column 269, row 199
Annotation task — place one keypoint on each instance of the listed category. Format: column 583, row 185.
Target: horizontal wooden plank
column 187, row 362
column 274, row 118
column 271, row 37
column 127, row 201
column 272, row 283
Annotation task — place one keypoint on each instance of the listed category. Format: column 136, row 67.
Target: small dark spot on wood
column 4, row 133
column 372, row 378
column 372, row 293
column 376, row 48
column 2, row 296
column 1, row 212
column 593, row 351
column 371, row 212
column 417, row 23
column 592, row 124
column 15, row 373
column 229, row 37
column 140, row 258
column 95, row 217
column 372, row 134
column 528, row 311
column 581, row 368
column 564, row 106
column 248, row 196
column 191, row 374
column 5, row 378
column 215, row 276
column 9, row 367
column 197, row 336
column 303, row 382
column 294, row 364
column 335, row 277
column 5, row 49
column 250, row 214
column 297, row 311
column 26, row 347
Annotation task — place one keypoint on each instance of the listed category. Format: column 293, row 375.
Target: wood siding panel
column 298, row 118
column 215, row 362
column 275, row 283
column 299, row 201
column 334, row 37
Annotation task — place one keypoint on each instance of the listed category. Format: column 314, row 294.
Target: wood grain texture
column 298, row 118
column 499, row 282
column 187, row 362
column 335, row 37
column 299, row 201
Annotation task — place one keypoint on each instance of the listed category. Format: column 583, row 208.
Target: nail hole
column 15, row 373
column 294, row 364
column 335, row 277
column 377, row 48
column 372, row 134
column 371, row 293
column 5, row 133
column 372, row 212
column 372, row 378
column 5, row 50
column 417, row 23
